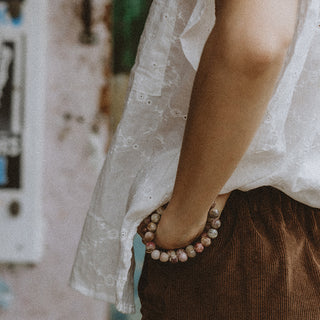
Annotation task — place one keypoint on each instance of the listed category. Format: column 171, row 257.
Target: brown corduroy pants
column 265, row 264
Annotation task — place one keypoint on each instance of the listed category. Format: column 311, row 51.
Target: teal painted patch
column 139, row 251
column 5, row 295
column 3, row 171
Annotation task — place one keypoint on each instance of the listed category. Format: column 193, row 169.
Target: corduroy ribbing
column 264, row 265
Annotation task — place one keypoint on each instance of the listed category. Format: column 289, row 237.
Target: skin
column 238, row 71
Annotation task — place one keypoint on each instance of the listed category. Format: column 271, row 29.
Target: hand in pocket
column 175, row 232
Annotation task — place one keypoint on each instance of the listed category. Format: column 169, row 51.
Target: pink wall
column 72, row 160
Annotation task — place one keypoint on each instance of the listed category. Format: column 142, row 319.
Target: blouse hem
column 120, row 306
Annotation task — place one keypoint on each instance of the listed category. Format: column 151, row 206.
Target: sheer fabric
column 139, row 172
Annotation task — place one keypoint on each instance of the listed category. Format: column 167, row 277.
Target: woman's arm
column 235, row 81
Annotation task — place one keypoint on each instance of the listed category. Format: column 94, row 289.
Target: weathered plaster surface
column 73, row 157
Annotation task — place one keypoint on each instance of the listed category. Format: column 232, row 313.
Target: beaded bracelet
column 182, row 254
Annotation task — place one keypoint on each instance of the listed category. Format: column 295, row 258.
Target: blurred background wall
column 75, row 137
column 91, row 48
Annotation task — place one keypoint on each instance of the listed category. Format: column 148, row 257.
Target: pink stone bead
column 214, row 213
column 160, row 210
column 164, row 257
column 173, row 256
column 212, row 233
column 216, row 224
column 149, row 236
column 155, row 254
column 155, row 217
column 205, row 241
column 182, row 256
column 190, row 251
column 152, row 227
column 171, row 253
column 198, row 247
column 150, row 246
column 189, row 248
column 173, row 259
column 179, row 251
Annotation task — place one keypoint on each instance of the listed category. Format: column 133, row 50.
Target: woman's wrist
column 185, row 218
column 180, row 226
column 175, row 247
column 190, row 214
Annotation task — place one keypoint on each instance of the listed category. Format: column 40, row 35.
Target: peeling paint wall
column 75, row 138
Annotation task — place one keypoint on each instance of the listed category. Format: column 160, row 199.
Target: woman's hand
column 175, row 232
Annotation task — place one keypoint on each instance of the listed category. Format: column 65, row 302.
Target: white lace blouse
column 139, row 171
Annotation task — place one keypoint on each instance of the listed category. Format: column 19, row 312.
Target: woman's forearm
column 226, row 109
column 232, row 88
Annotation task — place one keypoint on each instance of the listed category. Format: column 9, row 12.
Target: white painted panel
column 21, row 132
